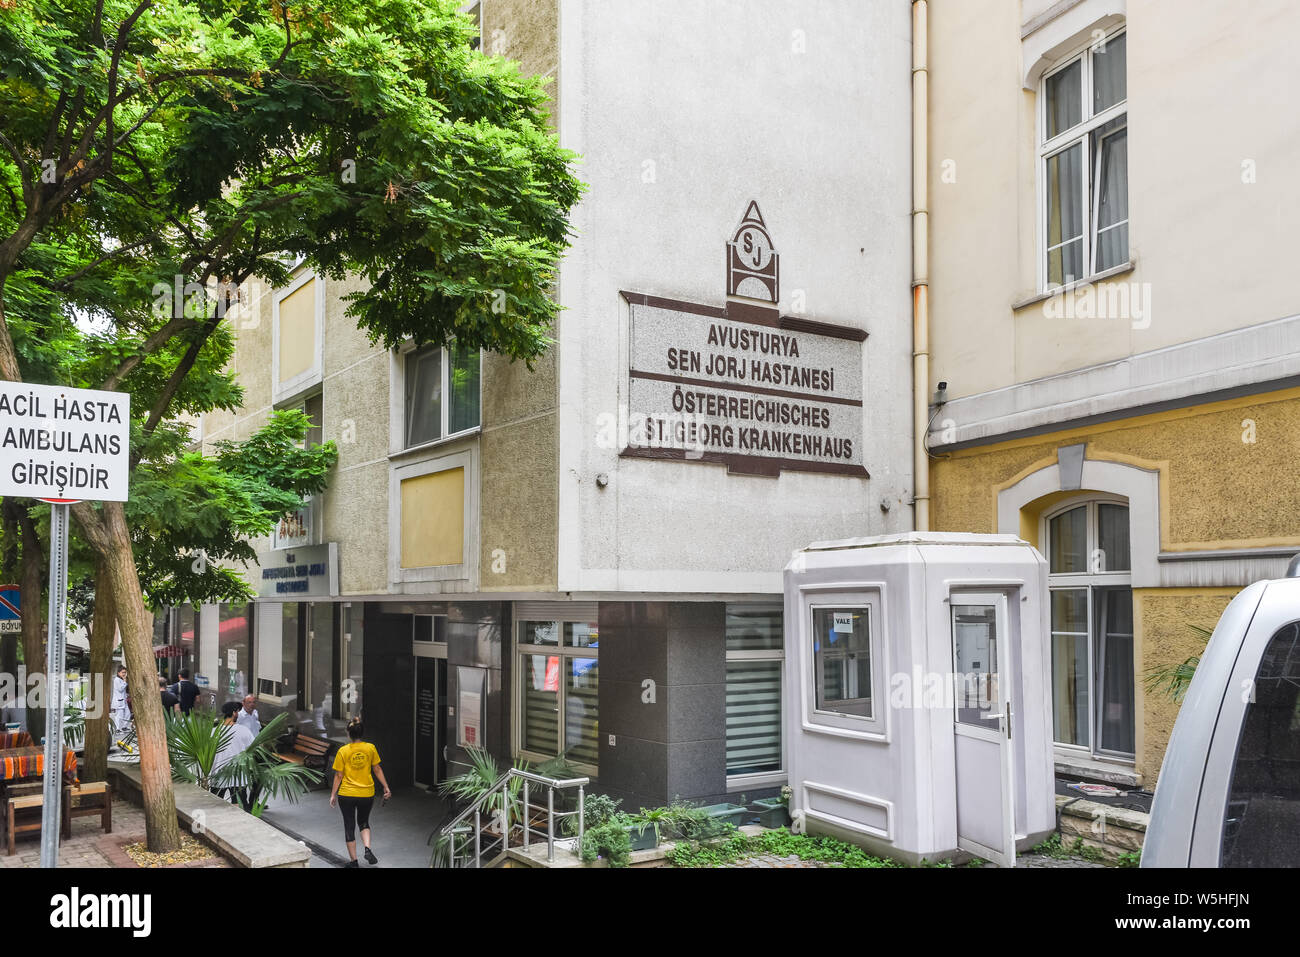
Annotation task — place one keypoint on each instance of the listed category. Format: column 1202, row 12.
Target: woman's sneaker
column 352, row 864
column 370, row 857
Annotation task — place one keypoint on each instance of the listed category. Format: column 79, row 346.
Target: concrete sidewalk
column 399, row 830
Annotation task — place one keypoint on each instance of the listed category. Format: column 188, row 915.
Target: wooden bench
column 13, row 805
column 101, row 805
column 307, row 751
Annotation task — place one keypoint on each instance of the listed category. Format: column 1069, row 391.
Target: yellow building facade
column 1114, row 343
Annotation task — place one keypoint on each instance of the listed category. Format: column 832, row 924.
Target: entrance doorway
column 982, row 727
column 430, row 756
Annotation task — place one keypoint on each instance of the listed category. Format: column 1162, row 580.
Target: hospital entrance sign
column 59, row 443
column 61, row 446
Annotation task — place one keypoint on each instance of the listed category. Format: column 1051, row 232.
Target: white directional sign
column 64, row 443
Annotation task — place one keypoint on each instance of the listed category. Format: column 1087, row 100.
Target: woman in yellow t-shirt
column 354, row 790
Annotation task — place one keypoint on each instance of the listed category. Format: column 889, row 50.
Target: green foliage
column 688, row 822
column 482, row 776
column 217, row 138
column 1173, row 680
column 1129, row 859
column 779, row 843
column 1086, row 851
column 1051, row 847
column 609, row 840
column 659, row 819
column 256, row 774
column 599, row 809
column 193, row 515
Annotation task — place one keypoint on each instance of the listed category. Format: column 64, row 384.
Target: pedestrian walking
column 356, row 765
column 117, row 704
column 170, row 703
column 187, row 691
column 248, row 716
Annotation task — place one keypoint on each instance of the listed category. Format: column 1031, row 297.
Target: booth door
column 982, row 727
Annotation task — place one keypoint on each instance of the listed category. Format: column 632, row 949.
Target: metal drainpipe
column 920, row 267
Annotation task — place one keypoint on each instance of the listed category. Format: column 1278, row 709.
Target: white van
column 1229, row 788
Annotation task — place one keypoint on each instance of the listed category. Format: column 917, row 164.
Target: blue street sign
column 10, row 613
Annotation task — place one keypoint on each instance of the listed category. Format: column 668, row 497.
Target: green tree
column 151, row 145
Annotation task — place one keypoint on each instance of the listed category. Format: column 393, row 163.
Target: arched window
column 1089, row 577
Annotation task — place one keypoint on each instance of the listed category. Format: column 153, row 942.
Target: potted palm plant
column 478, row 780
column 253, row 776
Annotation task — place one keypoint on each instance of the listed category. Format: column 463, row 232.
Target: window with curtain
column 1084, row 157
column 1091, row 608
column 559, row 690
column 442, row 393
column 755, row 649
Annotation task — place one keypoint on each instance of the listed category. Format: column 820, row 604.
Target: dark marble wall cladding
column 476, row 638
column 674, row 746
column 387, row 663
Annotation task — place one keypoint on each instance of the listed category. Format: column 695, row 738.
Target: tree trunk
column 108, row 534
column 103, row 629
column 9, row 572
column 30, row 589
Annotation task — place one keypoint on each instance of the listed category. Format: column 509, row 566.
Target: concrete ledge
column 1072, row 766
column 1111, row 830
column 245, row 840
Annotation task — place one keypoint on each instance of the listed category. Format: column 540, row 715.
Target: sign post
column 61, row 446
column 55, row 656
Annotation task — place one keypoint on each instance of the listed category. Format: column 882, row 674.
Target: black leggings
column 356, row 814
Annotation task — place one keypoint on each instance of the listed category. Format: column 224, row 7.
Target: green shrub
column 598, row 809
column 609, row 841
column 688, row 822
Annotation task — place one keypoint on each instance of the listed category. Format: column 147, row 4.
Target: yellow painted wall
column 1166, row 638
column 1216, row 490
column 298, row 331
column 433, row 519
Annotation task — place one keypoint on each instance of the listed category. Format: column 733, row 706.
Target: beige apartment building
column 568, row 560
column 1114, row 315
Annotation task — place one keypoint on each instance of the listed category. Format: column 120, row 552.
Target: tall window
column 1083, row 155
column 234, row 651
column 1092, row 627
column 755, row 649
column 442, row 393
column 559, row 683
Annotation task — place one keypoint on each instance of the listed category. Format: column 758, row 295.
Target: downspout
column 920, row 267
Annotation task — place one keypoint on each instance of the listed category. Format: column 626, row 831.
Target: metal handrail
column 459, row 823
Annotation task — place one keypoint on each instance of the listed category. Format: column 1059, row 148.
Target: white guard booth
column 917, row 697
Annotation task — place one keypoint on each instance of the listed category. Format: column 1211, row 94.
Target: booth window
column 559, row 683
column 1092, row 627
column 1260, row 828
column 755, row 649
column 842, row 660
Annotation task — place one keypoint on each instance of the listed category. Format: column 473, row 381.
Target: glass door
column 1093, row 681
column 982, row 727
